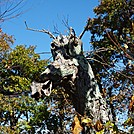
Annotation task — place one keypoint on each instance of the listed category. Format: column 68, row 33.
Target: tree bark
column 73, row 72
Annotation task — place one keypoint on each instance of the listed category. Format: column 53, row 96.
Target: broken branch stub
column 72, row 71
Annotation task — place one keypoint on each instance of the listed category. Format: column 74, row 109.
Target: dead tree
column 71, row 70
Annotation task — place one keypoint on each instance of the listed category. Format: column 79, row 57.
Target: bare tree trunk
column 72, row 71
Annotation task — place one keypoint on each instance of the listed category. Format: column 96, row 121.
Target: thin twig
column 103, row 60
column 10, row 11
column 98, row 61
column 125, row 75
column 44, row 53
column 56, row 31
column 127, row 55
column 86, row 52
column 103, row 49
column 65, row 22
column 104, row 63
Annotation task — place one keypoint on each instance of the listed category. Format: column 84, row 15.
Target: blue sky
column 46, row 14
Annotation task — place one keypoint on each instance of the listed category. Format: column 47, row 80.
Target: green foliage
column 113, row 42
column 21, row 113
column 18, row 67
column 5, row 42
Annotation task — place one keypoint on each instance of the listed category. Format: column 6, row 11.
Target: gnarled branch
column 43, row 31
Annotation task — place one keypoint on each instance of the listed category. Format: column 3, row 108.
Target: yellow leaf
column 100, row 132
column 125, row 46
column 109, row 125
column 98, row 126
column 131, row 104
column 129, row 121
column 87, row 120
column 113, row 98
column 132, row 98
column 76, row 127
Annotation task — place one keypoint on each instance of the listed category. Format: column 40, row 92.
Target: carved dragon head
column 65, row 49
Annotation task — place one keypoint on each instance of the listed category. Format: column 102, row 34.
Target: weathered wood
column 71, row 70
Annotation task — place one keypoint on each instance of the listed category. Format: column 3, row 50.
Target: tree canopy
column 18, row 67
column 113, row 43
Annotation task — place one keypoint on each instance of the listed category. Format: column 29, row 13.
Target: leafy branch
column 117, row 44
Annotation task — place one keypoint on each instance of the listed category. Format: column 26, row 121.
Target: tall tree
column 18, row 67
column 113, row 44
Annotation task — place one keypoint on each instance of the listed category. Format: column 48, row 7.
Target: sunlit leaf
column 76, row 127
column 86, row 120
column 100, row 132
